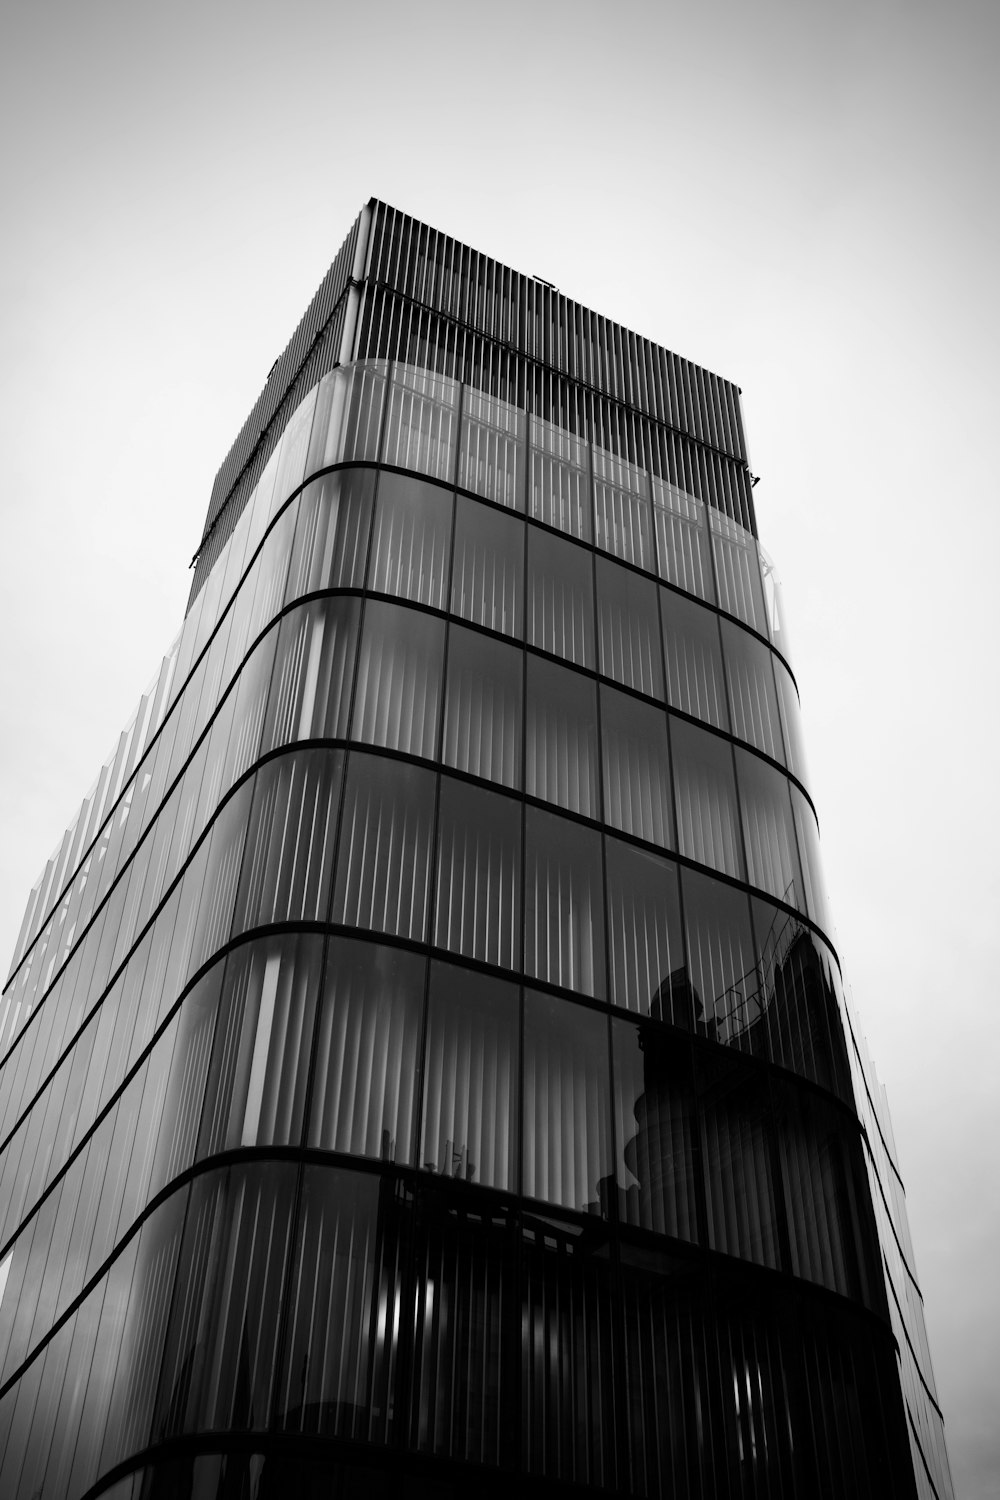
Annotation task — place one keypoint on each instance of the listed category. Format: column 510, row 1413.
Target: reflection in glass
column 694, row 660
column 482, row 715
column 736, row 1156
column 313, row 672
column 566, row 1139
column 479, row 874
column 288, row 863
column 644, row 934
column 563, row 925
column 637, row 792
column 560, row 479
column 383, row 862
column 738, row 571
column 682, row 540
column 491, row 461
column 707, row 824
column 422, row 426
column 410, row 542
column 621, row 500
column 561, row 737
column 655, row 1122
column 812, row 865
column 367, row 1051
column 399, row 679
column 799, row 993
column 331, row 536
column 560, row 598
column 788, row 707
column 724, row 998
column 487, row 584
column 628, row 627
column 772, row 860
column 470, row 1078
column 349, row 407
column 751, row 691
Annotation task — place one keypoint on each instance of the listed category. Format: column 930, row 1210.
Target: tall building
column 424, row 1067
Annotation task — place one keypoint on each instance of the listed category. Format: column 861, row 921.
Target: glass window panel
column 422, row 427
column 682, row 540
column 629, row 629
column 349, row 406
column 368, row 1051
column 737, row 570
column 563, row 919
column 694, row 661
column 644, row 933
column 817, row 905
column 411, row 540
column 772, row 860
column 737, row 1154
column 621, row 501
column 469, row 1126
column 383, row 865
column 399, row 679
column 777, row 618
column 560, row 479
column 487, row 585
column 788, row 707
column 260, row 1046
column 310, row 694
column 637, row 791
column 324, row 1380
column 561, row 737
column 293, row 448
column 288, row 863
column 331, row 536
column 657, row 1131
column 491, row 461
column 723, row 999
column 707, row 824
column 751, row 690
column 248, row 716
column 482, row 716
column 799, row 996
column 479, row 874
column 566, row 1117
column 560, row 598
column 218, row 879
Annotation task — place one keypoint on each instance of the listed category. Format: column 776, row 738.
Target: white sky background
column 802, row 197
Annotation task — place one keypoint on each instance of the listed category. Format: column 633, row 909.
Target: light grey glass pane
column 563, row 901
column 788, row 706
column 399, row 679
column 411, row 539
column 637, row 790
column 707, row 823
column 288, row 861
column 769, row 834
column 383, row 863
column 621, row 502
column 482, row 715
column 811, row 859
column 694, row 661
column 470, row 1078
column 488, row 573
column 310, row 695
column 560, row 479
column 479, row 874
column 560, row 598
column 737, row 569
column 628, row 625
column 349, row 407
column 491, row 461
column 367, row 1051
column 422, row 425
column 561, row 737
column 566, row 1116
column 657, row 1130
column 751, row 690
column 331, row 537
column 682, row 540
column 644, row 933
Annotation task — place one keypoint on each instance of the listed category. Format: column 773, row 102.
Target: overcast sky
column 802, row 197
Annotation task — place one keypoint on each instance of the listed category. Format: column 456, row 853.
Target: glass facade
column 425, row 1065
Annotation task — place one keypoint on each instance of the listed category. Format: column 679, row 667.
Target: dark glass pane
column 563, row 926
column 288, row 861
column 629, row 630
column 310, row 694
column 399, row 679
column 637, row 791
column 655, row 1121
column 469, row 1126
column 491, row 461
column 682, row 540
column 751, row 691
column 482, row 716
column 560, row 479
column 707, row 823
column 694, row 660
column 411, row 539
column 723, row 1000
column 487, row 585
column 737, row 1149
column 561, row 737
column 644, row 933
column 769, row 835
column 479, row 874
column 799, row 996
column 560, row 598
column 331, row 537
column 368, row 1051
column 383, row 862
column 566, row 1119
